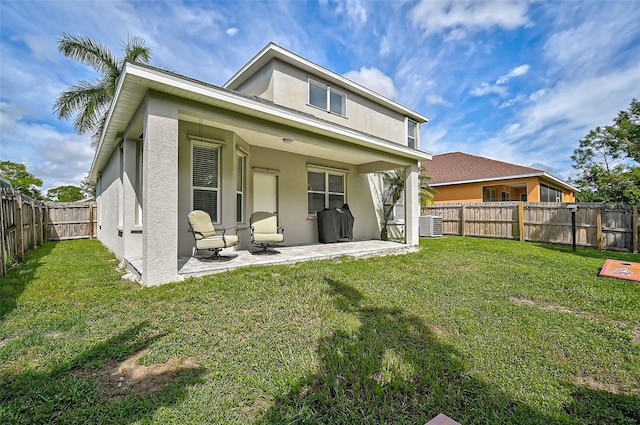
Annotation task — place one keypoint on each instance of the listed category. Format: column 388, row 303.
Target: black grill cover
column 335, row 224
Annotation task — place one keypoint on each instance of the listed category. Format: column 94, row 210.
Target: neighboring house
column 283, row 135
column 460, row 177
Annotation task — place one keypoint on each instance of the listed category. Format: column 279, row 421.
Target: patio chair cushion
column 268, row 237
column 265, row 228
column 213, row 242
column 201, row 224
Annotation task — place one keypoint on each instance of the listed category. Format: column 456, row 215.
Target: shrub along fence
column 607, row 227
column 26, row 223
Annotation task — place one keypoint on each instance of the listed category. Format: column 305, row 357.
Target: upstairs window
column 327, row 98
column 412, row 134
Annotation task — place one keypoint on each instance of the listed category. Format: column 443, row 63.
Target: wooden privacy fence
column 26, row 223
column 608, row 227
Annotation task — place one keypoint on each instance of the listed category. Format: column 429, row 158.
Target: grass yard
column 485, row 331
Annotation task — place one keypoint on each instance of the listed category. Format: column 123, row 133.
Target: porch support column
column 160, row 191
column 411, row 205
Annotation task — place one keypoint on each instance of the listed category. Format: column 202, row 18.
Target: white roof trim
column 272, row 50
column 144, row 75
column 515, row 176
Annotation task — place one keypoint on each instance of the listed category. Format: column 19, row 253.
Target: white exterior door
column 265, row 192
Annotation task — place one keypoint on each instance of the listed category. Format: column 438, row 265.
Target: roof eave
column 145, row 75
column 510, row 177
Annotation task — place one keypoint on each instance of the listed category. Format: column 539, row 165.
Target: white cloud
column 519, row 98
column 435, row 99
column 232, row 31
column 485, row 89
column 354, row 9
column 537, row 95
column 577, row 105
column 374, row 79
column 356, row 12
column 598, row 41
column 515, row 72
column 53, row 156
column 43, row 48
column 456, row 34
column 549, row 128
column 385, row 45
column 437, row 16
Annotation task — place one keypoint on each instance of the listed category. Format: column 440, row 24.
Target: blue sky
column 521, row 82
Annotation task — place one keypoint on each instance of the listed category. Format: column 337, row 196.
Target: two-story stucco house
column 283, row 134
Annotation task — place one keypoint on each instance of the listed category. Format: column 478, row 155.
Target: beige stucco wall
column 226, row 140
column 109, row 200
column 288, row 86
column 260, row 84
column 292, row 190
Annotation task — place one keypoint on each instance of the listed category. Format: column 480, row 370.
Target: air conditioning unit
column 430, row 226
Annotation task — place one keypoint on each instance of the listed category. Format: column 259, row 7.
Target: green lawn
column 486, row 331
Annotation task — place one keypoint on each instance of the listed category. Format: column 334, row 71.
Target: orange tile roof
column 458, row 167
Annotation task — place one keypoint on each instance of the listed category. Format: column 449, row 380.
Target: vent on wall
column 430, row 226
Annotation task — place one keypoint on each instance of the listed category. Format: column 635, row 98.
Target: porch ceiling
column 302, row 144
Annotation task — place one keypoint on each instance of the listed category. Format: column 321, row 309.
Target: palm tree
column 393, row 188
column 88, row 102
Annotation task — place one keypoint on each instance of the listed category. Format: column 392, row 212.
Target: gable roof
column 136, row 79
column 272, row 50
column 459, row 168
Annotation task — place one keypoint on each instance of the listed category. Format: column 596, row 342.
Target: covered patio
column 200, row 266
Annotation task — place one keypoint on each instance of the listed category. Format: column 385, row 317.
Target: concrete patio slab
column 199, row 266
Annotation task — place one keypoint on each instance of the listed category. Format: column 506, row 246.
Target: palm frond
column 136, row 50
column 83, row 102
column 88, row 51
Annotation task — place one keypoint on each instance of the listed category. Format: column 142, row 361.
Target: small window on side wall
column 412, row 134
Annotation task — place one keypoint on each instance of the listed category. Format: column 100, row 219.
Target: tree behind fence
column 26, row 223
column 608, row 227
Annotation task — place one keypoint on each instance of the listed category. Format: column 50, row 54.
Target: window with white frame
column 325, row 189
column 240, row 186
column 206, row 178
column 397, row 214
column 412, row 134
column 328, row 98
